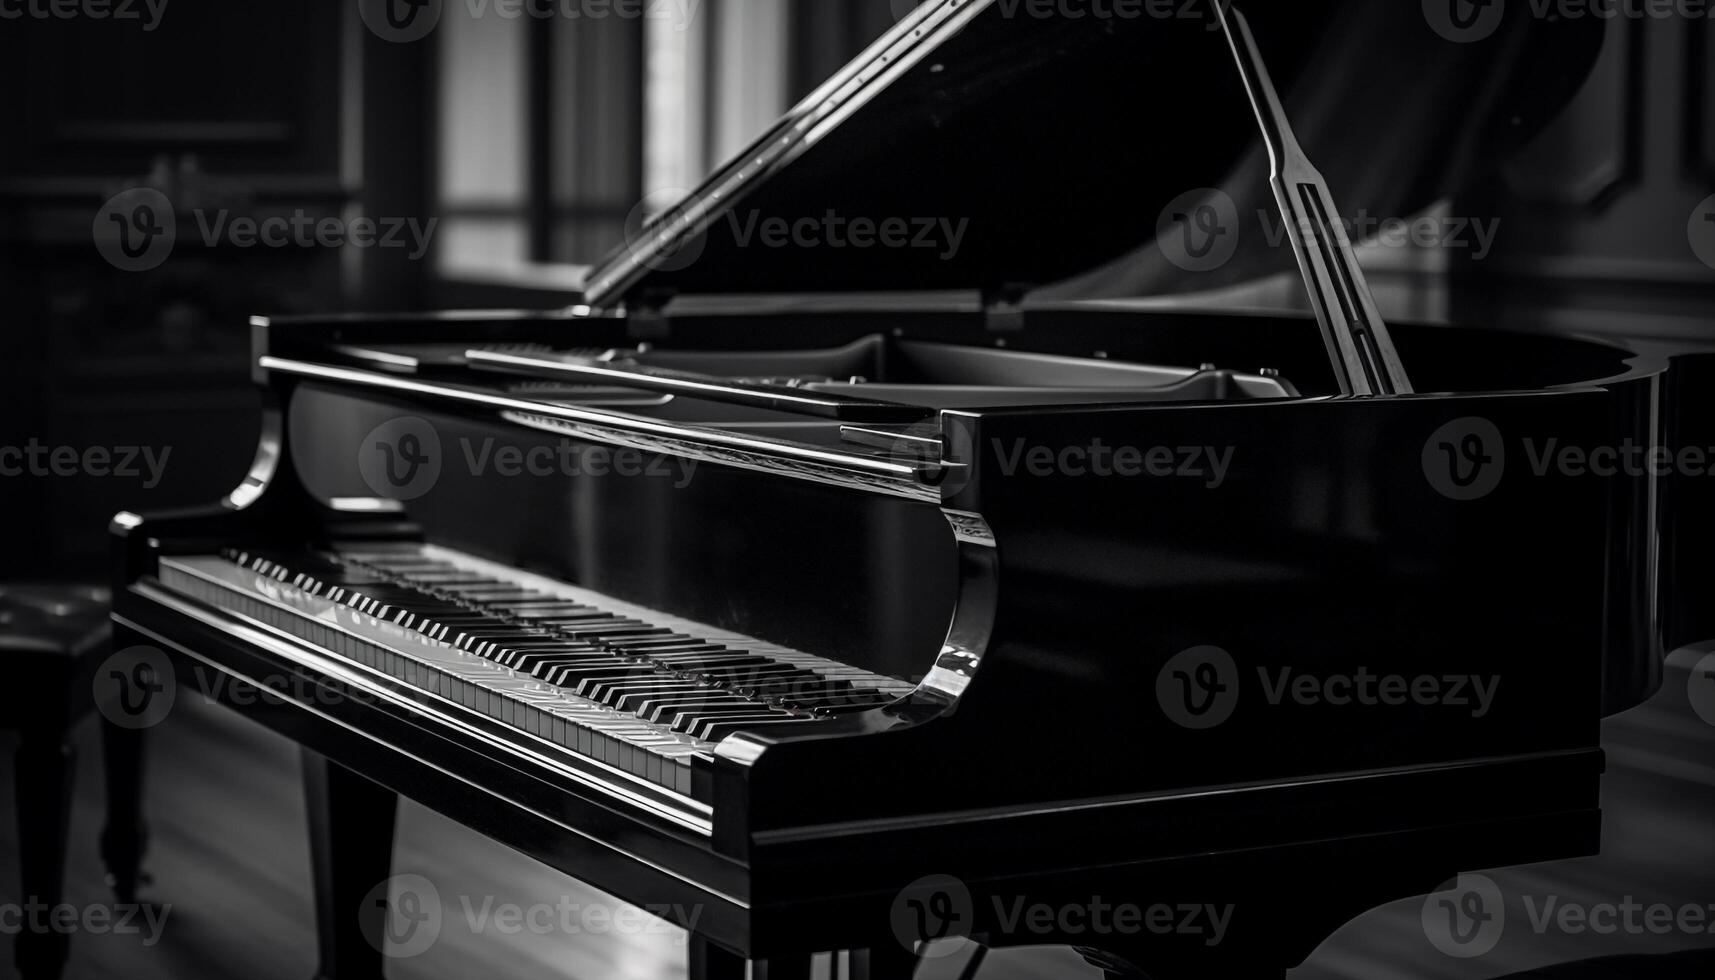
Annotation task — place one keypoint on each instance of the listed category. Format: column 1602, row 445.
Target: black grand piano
column 860, row 596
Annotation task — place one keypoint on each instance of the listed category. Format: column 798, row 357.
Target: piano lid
column 1010, row 145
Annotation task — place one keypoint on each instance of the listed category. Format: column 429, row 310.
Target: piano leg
column 1137, row 964
column 44, row 785
column 711, row 962
column 351, row 852
column 889, row 961
column 125, row 836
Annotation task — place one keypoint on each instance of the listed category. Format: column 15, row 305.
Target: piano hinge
column 645, row 316
column 1003, row 308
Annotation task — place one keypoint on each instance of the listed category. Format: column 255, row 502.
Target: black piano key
column 715, row 729
column 653, row 641
column 663, row 707
column 805, row 683
column 737, row 677
column 527, row 658
column 600, row 631
column 694, row 685
column 708, row 665
column 573, row 676
column 835, row 704
column 566, row 613
column 693, row 660
column 684, row 710
column 629, row 695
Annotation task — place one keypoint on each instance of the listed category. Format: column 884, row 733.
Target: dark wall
column 1608, row 210
column 225, row 111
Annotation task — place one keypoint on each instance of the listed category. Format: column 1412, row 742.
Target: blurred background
column 511, row 148
column 515, row 147
column 527, row 141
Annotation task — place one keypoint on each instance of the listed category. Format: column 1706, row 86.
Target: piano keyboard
column 632, row 688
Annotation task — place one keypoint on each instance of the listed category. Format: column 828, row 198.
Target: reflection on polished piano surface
column 848, row 621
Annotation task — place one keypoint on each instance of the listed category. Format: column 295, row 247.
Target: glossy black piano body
column 947, row 524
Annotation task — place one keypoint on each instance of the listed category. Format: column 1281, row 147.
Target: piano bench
column 53, row 640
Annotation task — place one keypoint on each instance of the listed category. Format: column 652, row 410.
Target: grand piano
column 838, row 599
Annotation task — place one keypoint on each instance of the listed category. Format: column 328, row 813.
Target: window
column 554, row 129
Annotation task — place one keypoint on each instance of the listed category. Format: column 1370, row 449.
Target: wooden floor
column 229, row 855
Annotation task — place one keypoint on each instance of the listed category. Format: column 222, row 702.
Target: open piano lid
column 1023, row 146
